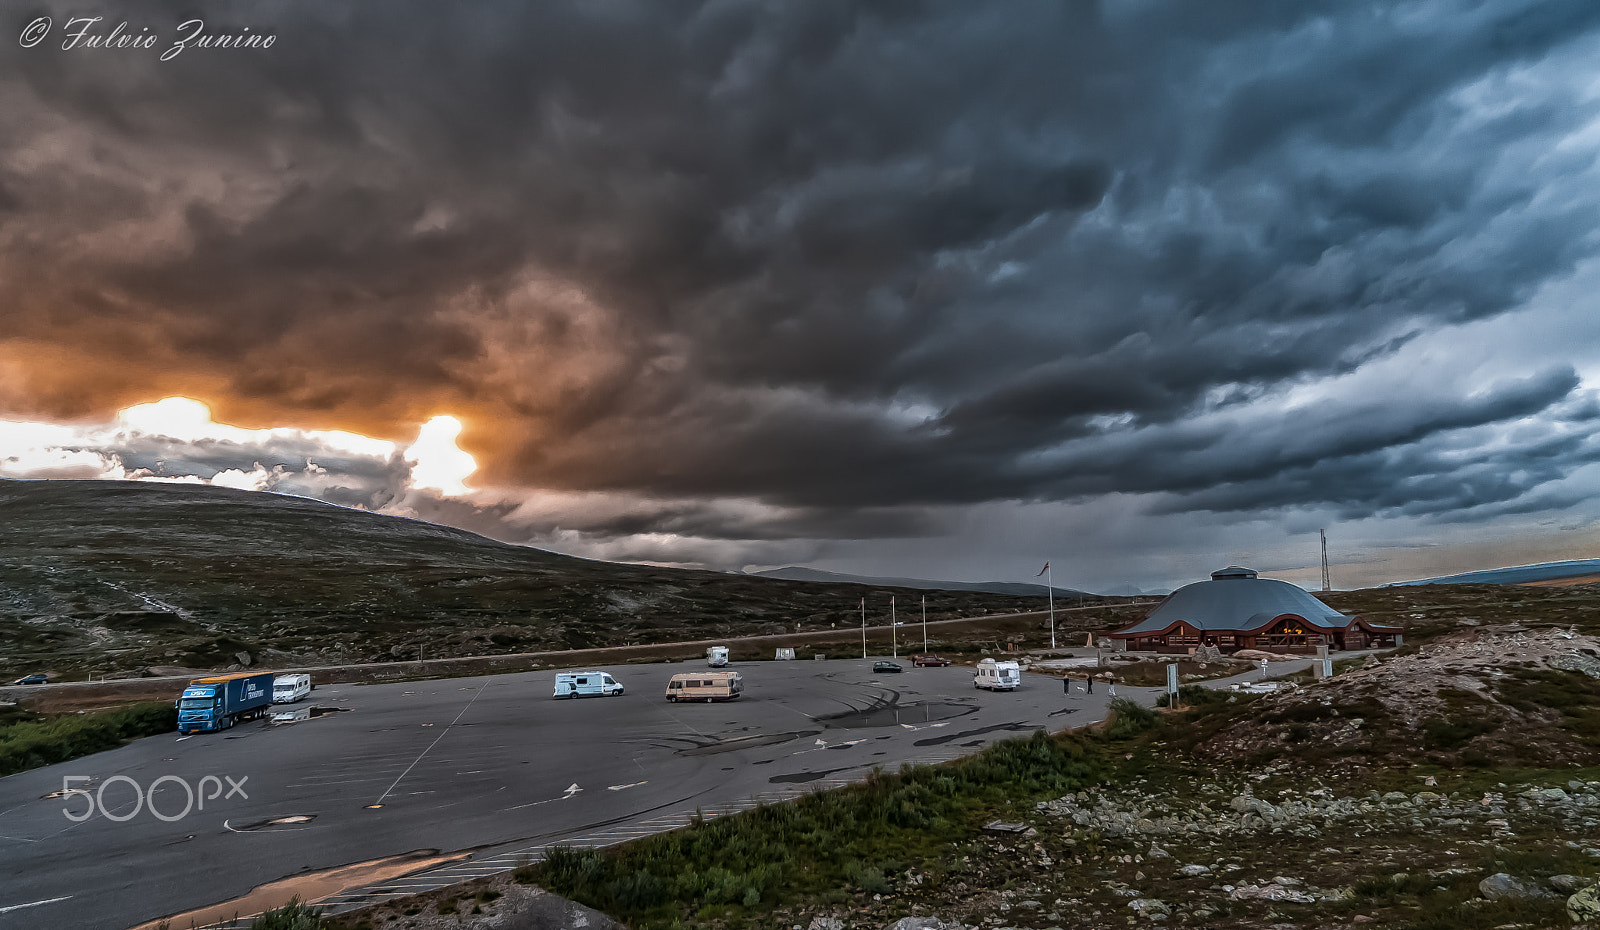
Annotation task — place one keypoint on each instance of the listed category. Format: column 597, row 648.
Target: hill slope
column 1577, row 570
column 119, row 575
column 1015, row 588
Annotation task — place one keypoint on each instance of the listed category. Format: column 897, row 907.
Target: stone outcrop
column 1585, row 905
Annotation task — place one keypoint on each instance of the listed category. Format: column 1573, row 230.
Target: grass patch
column 29, row 744
column 292, row 916
column 1154, row 674
column 857, row 840
column 1448, row 734
column 1128, row 718
column 1195, row 696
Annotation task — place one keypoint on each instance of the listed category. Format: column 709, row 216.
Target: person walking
column 1088, row 683
column 1112, row 679
column 1066, row 684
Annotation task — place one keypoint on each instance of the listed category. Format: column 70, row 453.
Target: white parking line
column 17, row 907
column 475, row 695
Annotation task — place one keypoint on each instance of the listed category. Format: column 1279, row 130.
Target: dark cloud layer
column 843, row 261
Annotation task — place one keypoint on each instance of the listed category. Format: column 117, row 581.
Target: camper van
column 705, row 686
column 717, row 656
column 586, row 684
column 286, row 689
column 997, row 676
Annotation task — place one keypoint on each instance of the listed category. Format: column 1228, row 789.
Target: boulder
column 1585, row 905
column 1271, row 892
column 1501, row 885
column 922, row 923
column 1150, row 907
column 826, row 923
column 1568, row 884
column 1577, row 662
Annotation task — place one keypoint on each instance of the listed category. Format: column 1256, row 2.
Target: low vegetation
column 829, row 845
column 28, row 741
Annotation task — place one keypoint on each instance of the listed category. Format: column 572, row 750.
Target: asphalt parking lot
column 491, row 765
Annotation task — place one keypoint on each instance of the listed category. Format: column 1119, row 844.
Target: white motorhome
column 586, row 684
column 705, row 686
column 997, row 676
column 287, row 689
column 717, row 656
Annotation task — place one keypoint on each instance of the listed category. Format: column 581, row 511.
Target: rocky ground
column 495, row 903
column 1451, row 786
column 1205, row 853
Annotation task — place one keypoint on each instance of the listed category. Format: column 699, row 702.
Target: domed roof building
column 1237, row 609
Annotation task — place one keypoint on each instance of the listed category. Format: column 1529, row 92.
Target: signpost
column 1172, row 684
column 894, row 633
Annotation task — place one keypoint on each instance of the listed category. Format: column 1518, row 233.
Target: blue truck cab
column 218, row 703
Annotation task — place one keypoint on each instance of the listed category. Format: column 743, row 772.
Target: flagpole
column 894, row 634
column 924, row 623
column 863, row 628
column 1050, row 586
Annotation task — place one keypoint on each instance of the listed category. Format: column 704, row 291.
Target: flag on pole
column 1043, row 570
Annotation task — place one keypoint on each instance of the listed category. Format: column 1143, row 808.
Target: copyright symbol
column 34, row 32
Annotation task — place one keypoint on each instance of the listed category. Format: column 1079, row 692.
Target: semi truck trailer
column 219, row 702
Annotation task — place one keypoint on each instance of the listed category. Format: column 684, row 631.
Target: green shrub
column 854, row 838
column 1130, row 718
column 1195, row 696
column 30, row 744
column 1454, row 733
column 292, row 916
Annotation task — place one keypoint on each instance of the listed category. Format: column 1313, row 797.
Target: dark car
column 887, row 666
column 930, row 661
column 37, row 678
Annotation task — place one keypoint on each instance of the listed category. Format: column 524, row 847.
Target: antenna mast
column 1326, row 586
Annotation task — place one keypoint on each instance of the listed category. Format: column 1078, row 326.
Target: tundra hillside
column 120, row 576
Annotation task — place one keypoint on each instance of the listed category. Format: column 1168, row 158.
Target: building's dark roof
column 1237, row 600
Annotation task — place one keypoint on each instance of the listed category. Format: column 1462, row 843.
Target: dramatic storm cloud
column 905, row 288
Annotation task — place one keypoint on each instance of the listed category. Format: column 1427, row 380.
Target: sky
column 939, row 290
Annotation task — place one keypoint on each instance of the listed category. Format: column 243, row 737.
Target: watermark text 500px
column 194, row 796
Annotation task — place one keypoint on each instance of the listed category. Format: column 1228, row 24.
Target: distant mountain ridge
column 1013, row 588
column 1516, row 574
column 121, row 575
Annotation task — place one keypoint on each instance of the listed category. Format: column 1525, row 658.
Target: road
column 489, row 764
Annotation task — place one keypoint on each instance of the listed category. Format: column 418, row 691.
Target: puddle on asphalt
column 893, row 714
column 806, row 776
column 952, row 737
column 309, row 887
column 292, row 820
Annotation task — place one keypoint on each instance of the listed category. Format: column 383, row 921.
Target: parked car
column 37, row 678
column 886, row 666
column 930, row 661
